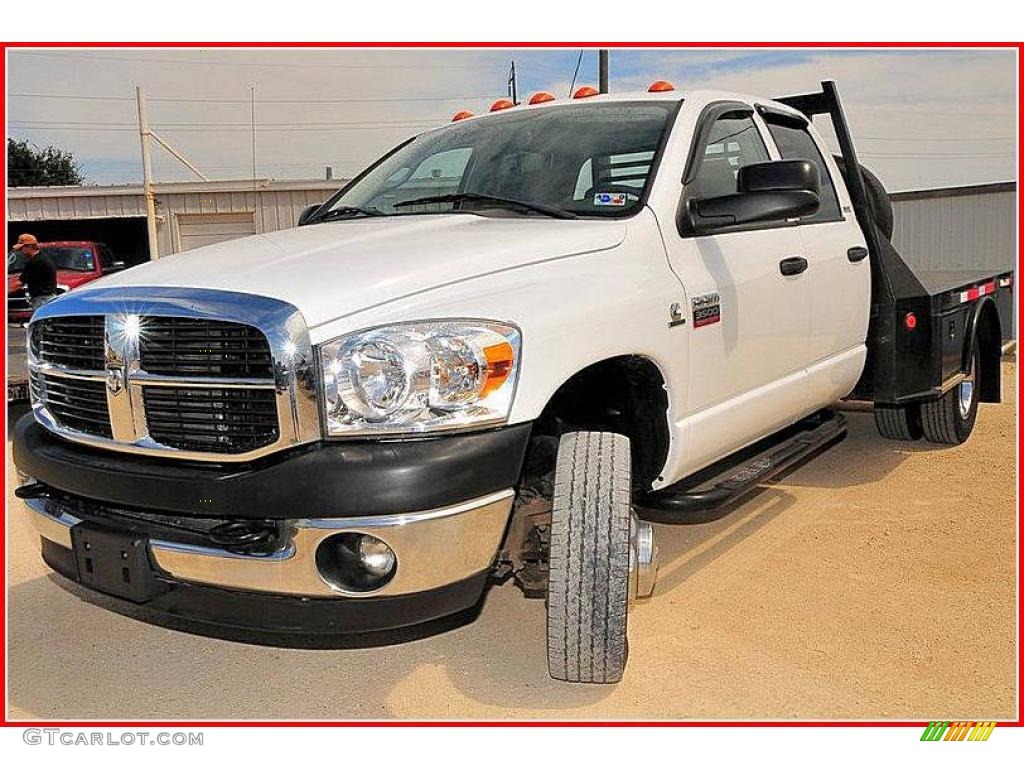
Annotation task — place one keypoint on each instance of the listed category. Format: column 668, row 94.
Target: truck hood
column 334, row 269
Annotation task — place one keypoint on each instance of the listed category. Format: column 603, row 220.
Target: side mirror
column 307, row 214
column 773, row 191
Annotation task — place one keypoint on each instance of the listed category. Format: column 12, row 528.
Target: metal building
column 957, row 228
column 189, row 214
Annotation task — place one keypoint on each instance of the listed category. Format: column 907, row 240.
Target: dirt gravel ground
column 877, row 581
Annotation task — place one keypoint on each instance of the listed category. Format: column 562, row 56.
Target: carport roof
column 176, row 187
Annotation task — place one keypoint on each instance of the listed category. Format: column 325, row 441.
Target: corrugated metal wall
column 273, row 209
column 958, row 228
column 83, row 205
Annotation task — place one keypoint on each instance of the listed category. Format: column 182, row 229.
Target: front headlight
column 419, row 377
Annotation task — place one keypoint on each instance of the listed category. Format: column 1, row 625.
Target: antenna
column 512, row 90
column 576, row 72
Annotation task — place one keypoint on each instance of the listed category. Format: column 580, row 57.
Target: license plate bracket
column 115, row 562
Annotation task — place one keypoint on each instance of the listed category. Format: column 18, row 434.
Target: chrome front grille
column 216, row 377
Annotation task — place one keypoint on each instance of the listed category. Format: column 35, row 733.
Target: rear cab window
column 795, row 142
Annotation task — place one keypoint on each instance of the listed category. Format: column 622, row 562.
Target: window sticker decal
column 616, row 199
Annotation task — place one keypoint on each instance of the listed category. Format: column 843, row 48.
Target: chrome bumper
column 433, row 549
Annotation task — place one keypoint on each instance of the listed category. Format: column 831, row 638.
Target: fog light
column 355, row 562
column 376, row 556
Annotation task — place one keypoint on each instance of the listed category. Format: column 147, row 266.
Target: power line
column 195, row 100
column 71, row 124
column 936, row 138
column 300, row 129
column 971, row 113
column 937, row 156
column 270, row 65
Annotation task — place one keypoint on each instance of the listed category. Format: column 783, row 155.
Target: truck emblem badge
column 115, row 380
column 675, row 313
column 707, row 309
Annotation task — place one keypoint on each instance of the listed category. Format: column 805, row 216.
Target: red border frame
column 1018, row 46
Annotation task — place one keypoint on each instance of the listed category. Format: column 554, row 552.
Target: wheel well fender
column 984, row 335
column 625, row 394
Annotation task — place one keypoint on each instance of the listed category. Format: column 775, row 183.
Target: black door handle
column 857, row 253
column 794, row 265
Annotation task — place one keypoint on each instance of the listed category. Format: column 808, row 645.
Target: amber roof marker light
column 660, row 86
column 462, row 114
column 540, row 97
column 501, row 104
column 585, row 92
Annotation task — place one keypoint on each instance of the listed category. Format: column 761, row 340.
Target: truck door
column 839, row 273
column 748, row 322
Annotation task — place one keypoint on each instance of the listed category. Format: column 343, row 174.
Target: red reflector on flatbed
column 975, row 293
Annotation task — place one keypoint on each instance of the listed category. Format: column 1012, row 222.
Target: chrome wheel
column 643, row 558
column 967, row 391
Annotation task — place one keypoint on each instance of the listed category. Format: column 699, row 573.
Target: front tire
column 588, row 581
column 950, row 419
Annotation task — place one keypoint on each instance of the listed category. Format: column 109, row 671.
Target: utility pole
column 512, row 85
column 145, row 134
column 252, row 124
column 147, row 174
column 602, row 70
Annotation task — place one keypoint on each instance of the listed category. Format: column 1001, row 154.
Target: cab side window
column 795, row 143
column 733, row 142
column 106, row 257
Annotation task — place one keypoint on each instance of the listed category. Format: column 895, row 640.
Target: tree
column 30, row 166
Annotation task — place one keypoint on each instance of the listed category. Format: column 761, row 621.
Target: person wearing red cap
column 39, row 275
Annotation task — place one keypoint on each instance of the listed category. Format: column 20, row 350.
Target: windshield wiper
column 494, row 201
column 344, row 211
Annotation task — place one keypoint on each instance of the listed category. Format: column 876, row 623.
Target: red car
column 77, row 261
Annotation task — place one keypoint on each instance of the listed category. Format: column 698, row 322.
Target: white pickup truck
column 499, row 352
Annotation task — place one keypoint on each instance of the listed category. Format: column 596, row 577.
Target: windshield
column 66, row 257
column 579, row 159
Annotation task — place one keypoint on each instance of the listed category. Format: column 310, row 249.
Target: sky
column 921, row 118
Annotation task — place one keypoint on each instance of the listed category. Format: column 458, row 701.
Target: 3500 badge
column 707, row 309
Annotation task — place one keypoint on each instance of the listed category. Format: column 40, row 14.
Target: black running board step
column 703, row 499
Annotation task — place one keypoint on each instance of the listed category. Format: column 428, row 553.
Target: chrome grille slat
column 78, row 404
column 229, row 420
column 75, row 342
column 192, row 346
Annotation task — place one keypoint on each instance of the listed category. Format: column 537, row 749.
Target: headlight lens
column 419, row 377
